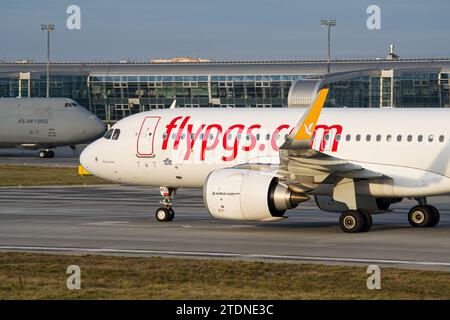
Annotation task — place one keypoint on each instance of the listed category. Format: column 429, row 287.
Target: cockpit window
column 71, row 104
column 108, row 134
column 116, row 134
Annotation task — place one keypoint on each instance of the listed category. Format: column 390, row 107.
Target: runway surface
column 120, row 220
column 64, row 157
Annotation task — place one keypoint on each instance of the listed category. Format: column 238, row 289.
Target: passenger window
column 419, row 138
column 388, row 138
column 441, row 138
column 174, row 136
column 348, row 137
column 327, row 137
column 358, row 137
column 165, row 135
column 399, row 138
column 268, row 136
column 257, row 136
column 430, row 138
column 368, row 137
column 409, row 138
column 108, row 134
column 378, row 137
column 338, row 137
column 116, row 134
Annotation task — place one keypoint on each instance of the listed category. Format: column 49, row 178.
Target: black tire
column 353, row 221
column 162, row 214
column 50, row 154
column 436, row 216
column 421, row 216
column 369, row 220
column 171, row 214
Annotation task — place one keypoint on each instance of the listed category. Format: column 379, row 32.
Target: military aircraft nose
column 94, row 127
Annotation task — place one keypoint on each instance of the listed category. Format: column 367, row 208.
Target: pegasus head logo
column 308, row 129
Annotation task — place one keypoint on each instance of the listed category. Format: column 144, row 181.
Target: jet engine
column 239, row 194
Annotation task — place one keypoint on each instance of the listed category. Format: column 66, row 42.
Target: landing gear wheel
column 436, row 216
column 369, row 220
column 354, row 221
column 46, row 154
column 171, row 214
column 163, row 214
column 422, row 216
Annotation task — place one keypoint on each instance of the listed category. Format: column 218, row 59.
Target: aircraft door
column 146, row 137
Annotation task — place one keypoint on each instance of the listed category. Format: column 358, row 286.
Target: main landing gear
column 166, row 213
column 46, row 154
column 423, row 215
column 353, row 221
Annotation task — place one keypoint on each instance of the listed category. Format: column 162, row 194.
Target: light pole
column 327, row 24
column 48, row 28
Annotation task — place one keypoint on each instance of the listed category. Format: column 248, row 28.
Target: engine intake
column 239, row 194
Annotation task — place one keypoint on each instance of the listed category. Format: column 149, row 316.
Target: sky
column 139, row 30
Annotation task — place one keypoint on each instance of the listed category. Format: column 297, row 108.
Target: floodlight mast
column 48, row 28
column 327, row 24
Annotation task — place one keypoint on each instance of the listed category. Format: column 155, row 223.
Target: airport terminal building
column 115, row 90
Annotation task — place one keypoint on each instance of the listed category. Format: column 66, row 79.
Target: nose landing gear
column 46, row 154
column 166, row 213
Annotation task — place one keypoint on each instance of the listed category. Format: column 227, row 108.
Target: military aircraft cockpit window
column 108, row 134
column 116, row 134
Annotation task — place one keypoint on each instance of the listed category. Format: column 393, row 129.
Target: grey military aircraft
column 41, row 123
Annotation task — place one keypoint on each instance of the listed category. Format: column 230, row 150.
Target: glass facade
column 405, row 90
column 112, row 97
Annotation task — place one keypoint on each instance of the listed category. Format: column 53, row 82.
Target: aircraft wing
column 302, row 167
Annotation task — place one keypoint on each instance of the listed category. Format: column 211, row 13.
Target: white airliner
column 253, row 165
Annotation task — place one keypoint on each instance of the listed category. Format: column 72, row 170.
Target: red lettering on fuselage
column 234, row 147
column 327, row 135
column 210, row 136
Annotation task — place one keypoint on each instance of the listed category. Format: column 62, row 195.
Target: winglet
column 304, row 130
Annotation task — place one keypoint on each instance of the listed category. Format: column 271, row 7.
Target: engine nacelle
column 239, row 194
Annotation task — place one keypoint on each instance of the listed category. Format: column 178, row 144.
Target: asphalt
column 119, row 220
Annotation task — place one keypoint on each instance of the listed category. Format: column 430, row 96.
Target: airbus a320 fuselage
column 256, row 164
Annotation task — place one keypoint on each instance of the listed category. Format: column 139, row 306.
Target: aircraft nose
column 94, row 127
column 87, row 158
